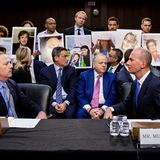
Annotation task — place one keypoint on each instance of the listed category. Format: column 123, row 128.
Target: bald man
column 147, row 104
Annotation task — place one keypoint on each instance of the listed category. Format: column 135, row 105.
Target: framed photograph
column 47, row 43
column 102, row 42
column 23, row 36
column 151, row 41
column 127, row 39
column 7, row 43
column 79, row 48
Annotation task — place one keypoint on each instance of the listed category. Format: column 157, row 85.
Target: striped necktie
column 59, row 88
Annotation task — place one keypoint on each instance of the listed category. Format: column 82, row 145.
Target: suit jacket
column 24, row 107
column 85, row 88
column 148, row 100
column 70, row 31
column 48, row 76
column 37, row 66
column 122, row 76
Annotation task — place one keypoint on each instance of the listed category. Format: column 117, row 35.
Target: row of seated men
column 94, row 95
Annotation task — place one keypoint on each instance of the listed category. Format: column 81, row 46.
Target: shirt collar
column 144, row 77
column 81, row 28
column 57, row 67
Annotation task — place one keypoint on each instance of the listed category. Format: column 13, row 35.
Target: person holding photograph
column 112, row 23
column 146, row 25
column 78, row 28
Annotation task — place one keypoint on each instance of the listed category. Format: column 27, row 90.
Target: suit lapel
column 90, row 82
column 143, row 89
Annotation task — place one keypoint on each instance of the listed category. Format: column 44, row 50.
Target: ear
column 56, row 58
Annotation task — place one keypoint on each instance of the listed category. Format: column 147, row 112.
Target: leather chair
column 39, row 93
column 126, row 87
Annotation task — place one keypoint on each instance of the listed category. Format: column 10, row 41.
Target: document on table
column 141, row 120
column 22, row 122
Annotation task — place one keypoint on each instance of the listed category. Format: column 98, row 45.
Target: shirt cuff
column 67, row 102
column 54, row 104
column 112, row 109
column 104, row 107
column 87, row 107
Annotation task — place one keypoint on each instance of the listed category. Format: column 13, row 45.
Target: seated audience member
column 96, row 89
column 3, row 31
column 21, row 72
column 114, row 59
column 13, row 102
column 143, row 100
column 123, row 75
column 62, row 79
column 26, row 69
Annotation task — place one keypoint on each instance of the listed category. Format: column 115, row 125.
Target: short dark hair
column 146, row 19
column 127, row 54
column 113, row 19
column 118, row 55
column 57, row 51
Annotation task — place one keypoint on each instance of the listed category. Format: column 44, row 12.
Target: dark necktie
column 59, row 87
column 79, row 31
column 137, row 93
column 95, row 98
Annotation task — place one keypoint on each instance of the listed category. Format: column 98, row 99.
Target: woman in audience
column 21, row 72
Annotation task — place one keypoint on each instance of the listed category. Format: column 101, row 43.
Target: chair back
column 39, row 93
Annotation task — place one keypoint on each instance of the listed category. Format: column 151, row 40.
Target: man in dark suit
column 124, row 76
column 115, row 57
column 78, row 28
column 86, row 88
column 12, row 101
column 35, row 69
column 49, row 76
column 146, row 103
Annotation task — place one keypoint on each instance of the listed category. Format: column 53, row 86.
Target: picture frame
column 79, row 50
column 46, row 44
column 151, row 42
column 23, row 32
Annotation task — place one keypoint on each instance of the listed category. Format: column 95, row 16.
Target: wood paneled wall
column 129, row 13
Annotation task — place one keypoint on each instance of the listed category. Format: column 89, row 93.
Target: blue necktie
column 59, row 87
column 6, row 99
column 137, row 93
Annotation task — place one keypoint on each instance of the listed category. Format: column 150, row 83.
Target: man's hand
column 108, row 114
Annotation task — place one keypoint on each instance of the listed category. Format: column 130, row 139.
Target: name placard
column 149, row 137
